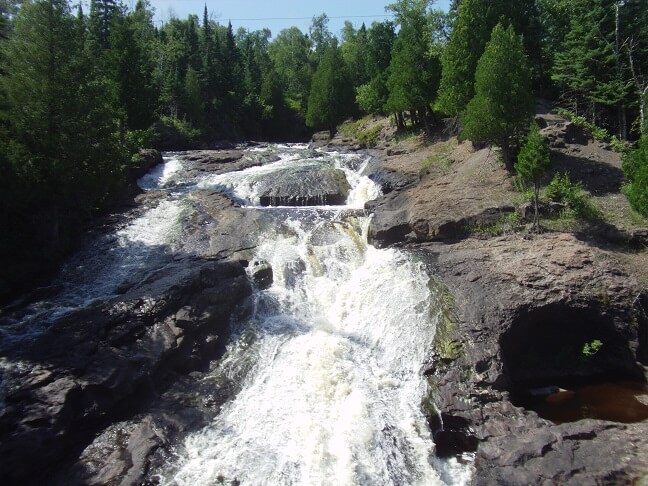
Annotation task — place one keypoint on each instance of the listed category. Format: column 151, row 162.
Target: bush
column 598, row 133
column 562, row 190
column 635, row 167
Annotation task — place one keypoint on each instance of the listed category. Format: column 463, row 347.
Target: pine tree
column 331, row 97
column 413, row 72
column 102, row 13
column 532, row 164
column 470, row 33
column 469, row 36
column 372, row 96
column 131, row 71
column 54, row 97
column 635, row 167
column 503, row 103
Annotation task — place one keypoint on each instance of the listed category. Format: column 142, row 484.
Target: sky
column 278, row 14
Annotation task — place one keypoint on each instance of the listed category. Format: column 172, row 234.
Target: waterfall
column 328, row 362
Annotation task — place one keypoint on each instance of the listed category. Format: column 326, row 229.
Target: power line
column 309, row 18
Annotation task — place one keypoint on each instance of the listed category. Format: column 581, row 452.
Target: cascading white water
column 328, row 363
column 104, row 264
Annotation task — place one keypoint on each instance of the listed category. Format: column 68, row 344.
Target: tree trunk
column 506, row 156
column 400, row 121
column 536, row 196
column 428, row 130
column 642, row 110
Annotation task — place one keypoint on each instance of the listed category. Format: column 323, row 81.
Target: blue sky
column 291, row 12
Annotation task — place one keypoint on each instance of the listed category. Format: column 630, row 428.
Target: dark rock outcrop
column 261, row 273
column 305, row 186
column 524, row 310
column 92, row 364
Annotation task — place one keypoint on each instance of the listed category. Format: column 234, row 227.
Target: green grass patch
column 361, row 132
column 440, row 157
column 506, row 224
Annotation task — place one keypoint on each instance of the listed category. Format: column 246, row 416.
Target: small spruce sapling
column 532, row 164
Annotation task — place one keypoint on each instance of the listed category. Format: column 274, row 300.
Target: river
column 329, row 361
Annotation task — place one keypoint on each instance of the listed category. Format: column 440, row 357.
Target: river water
column 328, row 361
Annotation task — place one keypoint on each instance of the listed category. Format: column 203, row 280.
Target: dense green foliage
column 81, row 91
column 562, row 190
column 635, row 166
column 502, row 106
column 532, row 164
column 331, row 94
column 414, row 71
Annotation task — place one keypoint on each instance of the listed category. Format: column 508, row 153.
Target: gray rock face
column 524, row 309
column 305, row 186
column 94, row 359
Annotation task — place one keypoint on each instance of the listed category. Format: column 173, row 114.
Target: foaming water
column 328, row 363
column 244, row 186
column 161, row 174
column 98, row 270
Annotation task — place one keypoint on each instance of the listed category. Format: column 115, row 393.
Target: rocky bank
column 516, row 310
column 127, row 369
column 518, row 307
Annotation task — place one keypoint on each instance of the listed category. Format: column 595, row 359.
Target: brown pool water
column 624, row 402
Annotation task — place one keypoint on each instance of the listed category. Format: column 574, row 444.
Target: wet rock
column 261, row 273
column 305, row 186
column 452, row 435
column 320, row 139
column 148, row 158
column 97, row 359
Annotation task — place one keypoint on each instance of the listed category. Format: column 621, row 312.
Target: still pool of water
column 625, row 402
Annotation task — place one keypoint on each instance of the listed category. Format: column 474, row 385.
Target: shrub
column 561, row 189
column 635, row 167
column 598, row 133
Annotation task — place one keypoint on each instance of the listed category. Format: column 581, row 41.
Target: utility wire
column 309, row 18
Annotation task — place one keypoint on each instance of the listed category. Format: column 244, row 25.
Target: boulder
column 261, row 273
column 304, row 186
column 98, row 358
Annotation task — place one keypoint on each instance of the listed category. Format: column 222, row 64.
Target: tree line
column 80, row 91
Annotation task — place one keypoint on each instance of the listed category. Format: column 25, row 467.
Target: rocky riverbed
column 104, row 393
column 520, row 309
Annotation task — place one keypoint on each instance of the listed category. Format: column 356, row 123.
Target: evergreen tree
column 372, row 96
column 193, row 98
column 131, row 71
column 289, row 52
column 102, row 13
column 469, row 36
column 53, row 97
column 532, row 164
column 413, row 72
column 503, row 103
column 470, row 33
column 635, row 167
column 355, row 53
column 331, row 98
